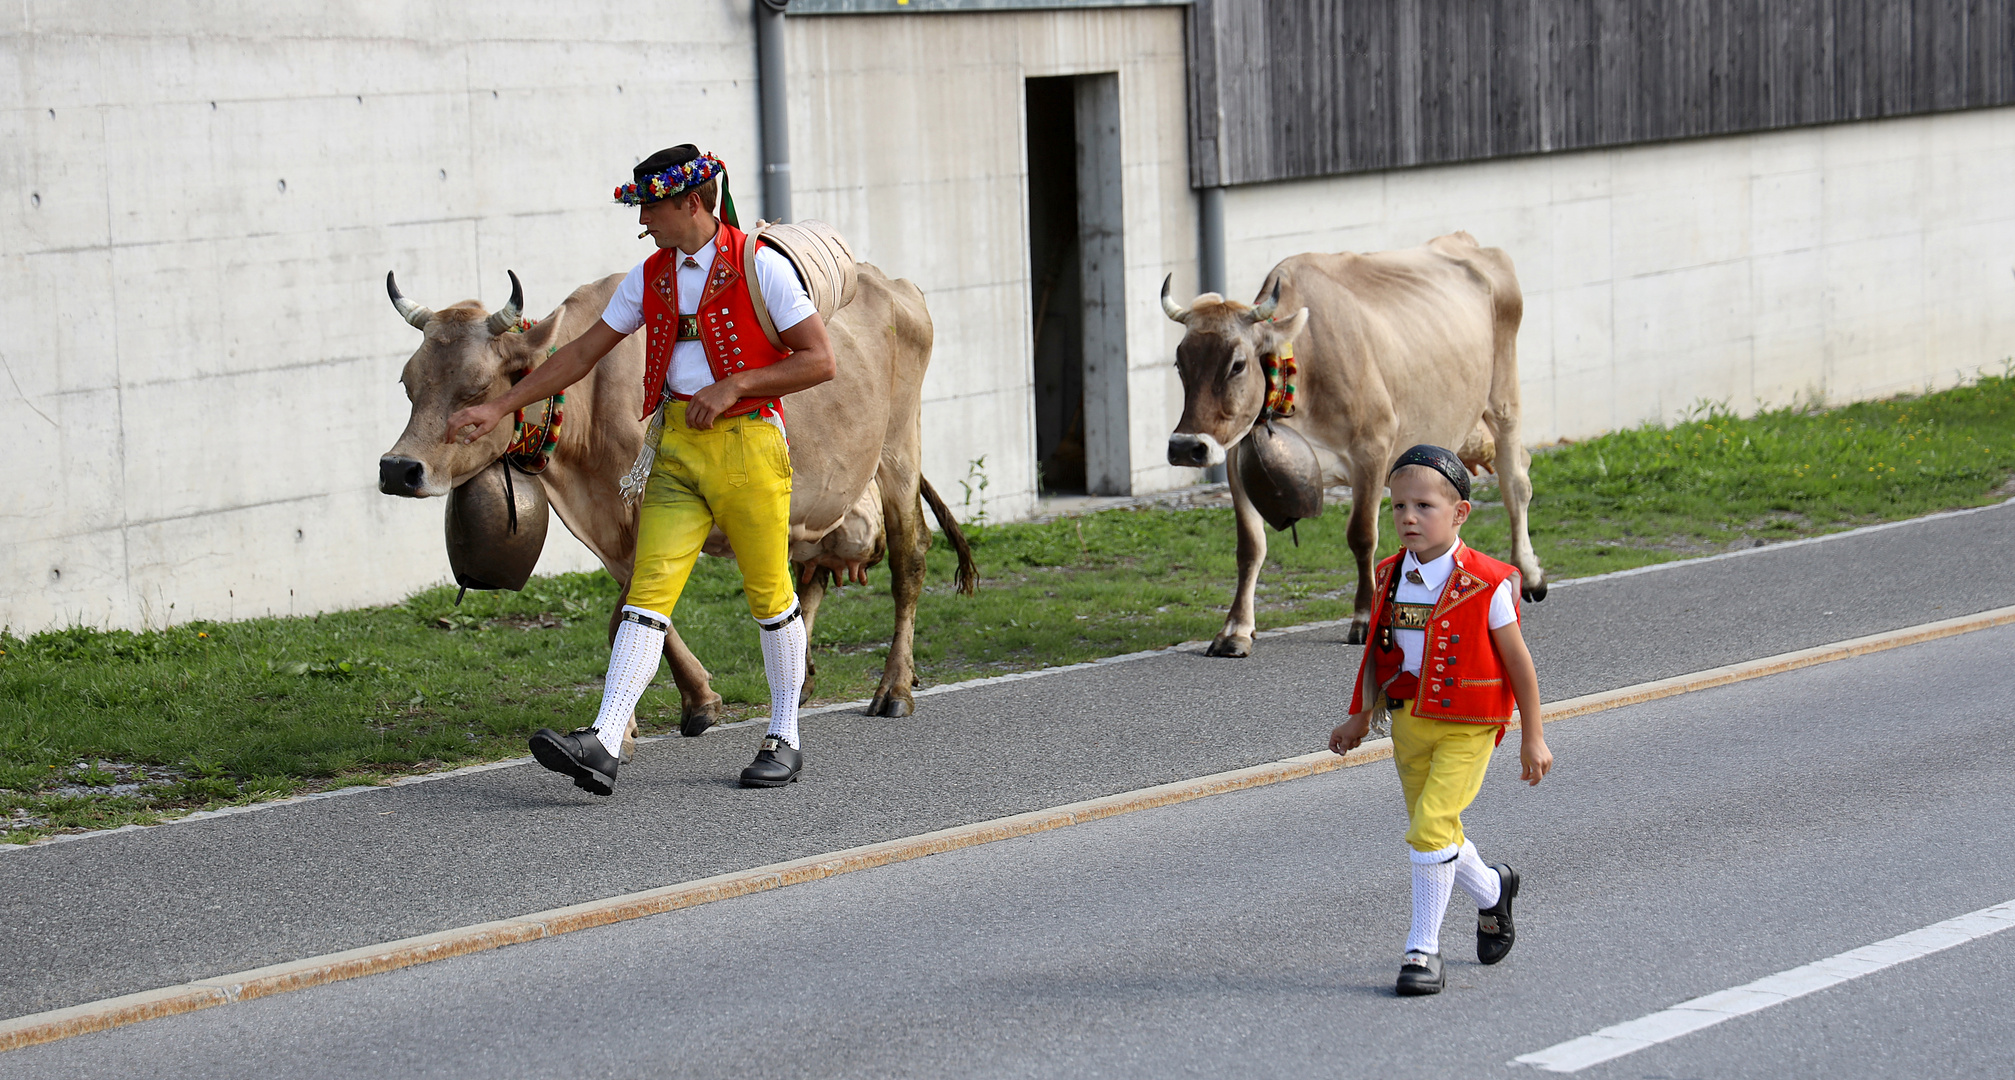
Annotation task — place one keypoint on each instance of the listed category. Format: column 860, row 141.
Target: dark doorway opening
column 1077, row 286
column 1056, row 285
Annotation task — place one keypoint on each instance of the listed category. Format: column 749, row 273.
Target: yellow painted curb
column 319, row 970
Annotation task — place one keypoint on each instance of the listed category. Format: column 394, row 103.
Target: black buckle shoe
column 1420, row 975
column 777, row 763
column 579, row 754
column 1494, row 935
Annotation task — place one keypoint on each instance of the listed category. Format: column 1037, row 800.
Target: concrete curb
column 188, row 997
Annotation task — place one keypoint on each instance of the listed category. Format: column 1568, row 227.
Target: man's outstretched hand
column 474, row 422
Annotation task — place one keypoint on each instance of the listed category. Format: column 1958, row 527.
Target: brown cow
column 1394, row 348
column 861, row 432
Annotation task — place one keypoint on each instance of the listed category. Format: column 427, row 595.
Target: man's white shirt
column 1434, row 575
column 782, row 292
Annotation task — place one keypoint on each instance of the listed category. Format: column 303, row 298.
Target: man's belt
column 689, row 328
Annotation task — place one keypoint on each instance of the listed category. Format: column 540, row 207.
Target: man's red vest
column 1461, row 678
column 729, row 333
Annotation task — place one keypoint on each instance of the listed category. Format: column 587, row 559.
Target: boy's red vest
column 729, row 333
column 1460, row 676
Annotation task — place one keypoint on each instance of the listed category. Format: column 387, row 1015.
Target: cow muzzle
column 1195, row 451
column 403, row 476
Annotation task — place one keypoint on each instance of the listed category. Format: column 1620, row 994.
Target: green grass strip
column 104, row 728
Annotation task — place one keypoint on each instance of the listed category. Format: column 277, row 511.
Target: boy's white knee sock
column 1479, row 881
column 633, row 662
column 1433, row 881
column 784, row 646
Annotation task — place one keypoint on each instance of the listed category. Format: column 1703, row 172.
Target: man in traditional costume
column 715, row 453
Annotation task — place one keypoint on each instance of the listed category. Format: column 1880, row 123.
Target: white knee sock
column 633, row 663
column 1479, row 881
column 1433, row 880
column 784, row 662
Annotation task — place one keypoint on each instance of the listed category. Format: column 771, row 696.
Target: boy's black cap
column 663, row 160
column 1440, row 460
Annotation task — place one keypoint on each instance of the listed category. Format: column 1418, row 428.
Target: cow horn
column 505, row 319
column 1169, row 307
column 409, row 311
column 1265, row 309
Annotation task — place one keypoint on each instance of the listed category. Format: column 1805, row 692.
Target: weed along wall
column 1848, row 262
column 200, row 361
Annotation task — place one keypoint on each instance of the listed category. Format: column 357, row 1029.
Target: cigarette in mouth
column 643, row 234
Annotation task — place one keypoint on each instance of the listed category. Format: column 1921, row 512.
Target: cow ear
column 1289, row 328
column 543, row 335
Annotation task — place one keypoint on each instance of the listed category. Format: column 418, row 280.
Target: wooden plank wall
column 1288, row 89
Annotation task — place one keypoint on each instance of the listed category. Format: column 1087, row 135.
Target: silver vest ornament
column 496, row 527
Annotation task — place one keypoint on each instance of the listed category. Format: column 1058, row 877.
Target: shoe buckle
column 1487, row 923
column 773, row 742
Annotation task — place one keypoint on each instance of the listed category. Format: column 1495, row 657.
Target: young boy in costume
column 712, row 382
column 1447, row 660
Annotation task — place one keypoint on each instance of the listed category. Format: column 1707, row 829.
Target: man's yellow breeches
column 736, row 475
column 1441, row 765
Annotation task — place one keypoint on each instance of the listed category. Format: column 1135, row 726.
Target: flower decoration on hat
column 672, row 181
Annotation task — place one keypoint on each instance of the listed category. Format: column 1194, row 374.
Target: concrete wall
column 199, row 368
column 908, row 134
column 1843, row 262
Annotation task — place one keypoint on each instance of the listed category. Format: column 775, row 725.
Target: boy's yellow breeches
column 1441, row 765
column 735, row 475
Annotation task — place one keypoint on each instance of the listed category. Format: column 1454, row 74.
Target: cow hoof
column 695, row 722
column 1234, row 645
column 1358, row 632
column 891, row 706
column 1535, row 593
column 805, row 691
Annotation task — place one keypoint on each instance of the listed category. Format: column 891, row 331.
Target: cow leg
column 811, row 593
column 1367, row 494
column 1514, row 482
column 903, row 524
column 1236, row 637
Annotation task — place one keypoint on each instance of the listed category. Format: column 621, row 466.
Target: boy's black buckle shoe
column 777, row 763
column 1420, row 975
column 1494, row 935
column 579, row 754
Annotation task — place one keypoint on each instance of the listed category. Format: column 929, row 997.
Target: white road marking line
column 1686, row 1017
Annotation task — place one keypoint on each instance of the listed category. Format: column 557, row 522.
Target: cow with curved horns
column 856, row 452
column 1394, row 348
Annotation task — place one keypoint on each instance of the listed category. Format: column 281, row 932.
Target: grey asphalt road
column 1681, row 847
column 133, row 911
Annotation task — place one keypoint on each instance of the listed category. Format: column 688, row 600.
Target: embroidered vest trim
column 725, row 324
column 1461, row 678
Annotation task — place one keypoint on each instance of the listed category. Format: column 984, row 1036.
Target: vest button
column 1447, row 703
column 1453, row 638
column 1444, row 624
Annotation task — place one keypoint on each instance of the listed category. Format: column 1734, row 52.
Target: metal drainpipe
column 771, row 107
column 1210, row 269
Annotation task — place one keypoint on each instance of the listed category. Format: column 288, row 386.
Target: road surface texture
column 137, row 910
column 1681, row 847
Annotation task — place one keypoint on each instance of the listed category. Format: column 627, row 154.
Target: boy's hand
column 1534, row 759
column 1349, row 733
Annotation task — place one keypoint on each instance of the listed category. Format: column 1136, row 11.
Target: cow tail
column 968, row 578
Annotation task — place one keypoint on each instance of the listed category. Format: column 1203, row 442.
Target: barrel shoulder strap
column 750, row 244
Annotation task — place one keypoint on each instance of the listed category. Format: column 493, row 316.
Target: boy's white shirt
column 1434, row 575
